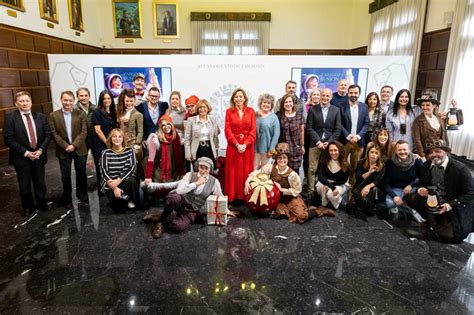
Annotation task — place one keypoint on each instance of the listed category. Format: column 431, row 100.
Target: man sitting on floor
column 188, row 200
column 452, row 218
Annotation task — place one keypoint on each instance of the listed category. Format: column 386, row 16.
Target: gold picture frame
column 49, row 10
column 127, row 18
column 76, row 19
column 14, row 4
column 166, row 19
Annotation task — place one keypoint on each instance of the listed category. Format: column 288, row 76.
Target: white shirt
column 354, row 118
column 25, row 122
column 433, row 121
column 186, row 186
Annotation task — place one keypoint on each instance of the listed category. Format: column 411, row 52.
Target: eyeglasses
column 189, row 106
column 435, row 143
column 154, row 96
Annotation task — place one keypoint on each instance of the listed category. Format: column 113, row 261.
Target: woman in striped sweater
column 118, row 164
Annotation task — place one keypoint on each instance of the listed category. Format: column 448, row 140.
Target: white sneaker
column 131, row 205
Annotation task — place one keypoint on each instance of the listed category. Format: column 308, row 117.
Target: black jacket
column 15, row 136
column 316, row 126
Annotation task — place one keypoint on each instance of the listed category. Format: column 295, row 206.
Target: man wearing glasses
column 152, row 110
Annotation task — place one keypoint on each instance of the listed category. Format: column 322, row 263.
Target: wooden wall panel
column 36, row 61
column 6, row 98
column 29, row 78
column 9, row 78
column 4, row 63
column 17, row 59
column 434, row 49
column 25, row 42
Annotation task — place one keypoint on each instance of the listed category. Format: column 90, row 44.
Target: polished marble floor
column 87, row 260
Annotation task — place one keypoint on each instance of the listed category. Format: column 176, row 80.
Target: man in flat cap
column 188, row 200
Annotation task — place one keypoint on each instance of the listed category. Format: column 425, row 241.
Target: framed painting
column 166, row 19
column 127, row 18
column 49, row 10
column 14, row 4
column 76, row 20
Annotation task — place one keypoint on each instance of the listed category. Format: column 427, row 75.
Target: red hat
column 193, row 99
column 165, row 117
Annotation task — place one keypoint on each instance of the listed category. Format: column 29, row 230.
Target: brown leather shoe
column 325, row 212
column 152, row 217
column 157, row 230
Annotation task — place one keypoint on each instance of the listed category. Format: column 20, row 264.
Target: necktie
column 31, row 130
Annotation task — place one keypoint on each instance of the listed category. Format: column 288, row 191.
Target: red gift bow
column 219, row 215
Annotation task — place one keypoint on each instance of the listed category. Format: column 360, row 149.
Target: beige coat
column 192, row 134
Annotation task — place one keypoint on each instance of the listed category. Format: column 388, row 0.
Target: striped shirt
column 114, row 165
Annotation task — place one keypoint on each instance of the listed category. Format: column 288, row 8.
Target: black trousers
column 452, row 226
column 65, row 166
column 31, row 172
column 184, row 216
column 204, row 150
column 130, row 187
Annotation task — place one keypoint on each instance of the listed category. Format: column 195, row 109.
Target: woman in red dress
column 240, row 132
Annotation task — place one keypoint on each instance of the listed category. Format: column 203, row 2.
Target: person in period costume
column 428, row 126
column 291, row 205
column 451, row 217
column 164, row 162
column 187, row 200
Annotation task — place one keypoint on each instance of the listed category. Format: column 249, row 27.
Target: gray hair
column 266, row 97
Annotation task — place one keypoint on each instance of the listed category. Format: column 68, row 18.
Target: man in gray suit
column 323, row 125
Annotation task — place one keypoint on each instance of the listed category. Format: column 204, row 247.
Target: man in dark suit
column 152, row 111
column 168, row 24
column 27, row 135
column 355, row 122
column 451, row 214
column 323, row 125
column 69, row 128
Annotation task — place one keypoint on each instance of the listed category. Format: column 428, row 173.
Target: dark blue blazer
column 362, row 122
column 150, row 126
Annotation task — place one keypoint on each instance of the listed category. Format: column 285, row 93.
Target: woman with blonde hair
column 117, row 165
column 201, row 136
column 177, row 112
column 268, row 130
column 164, row 162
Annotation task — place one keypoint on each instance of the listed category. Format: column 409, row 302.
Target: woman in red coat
column 240, row 132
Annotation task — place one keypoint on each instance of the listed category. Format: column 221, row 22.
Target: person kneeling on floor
column 291, row 204
column 445, row 196
column 188, row 200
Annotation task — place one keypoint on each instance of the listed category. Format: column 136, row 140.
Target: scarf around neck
column 165, row 163
column 406, row 164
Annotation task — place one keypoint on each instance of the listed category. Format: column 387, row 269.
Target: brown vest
column 282, row 179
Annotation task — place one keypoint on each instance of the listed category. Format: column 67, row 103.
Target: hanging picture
column 14, row 4
column 49, row 10
column 76, row 20
column 166, row 19
column 127, row 18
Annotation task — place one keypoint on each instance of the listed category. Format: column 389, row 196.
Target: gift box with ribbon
column 216, row 210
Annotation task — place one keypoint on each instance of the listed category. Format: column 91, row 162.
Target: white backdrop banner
column 215, row 77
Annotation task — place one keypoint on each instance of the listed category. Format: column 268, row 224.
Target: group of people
column 375, row 155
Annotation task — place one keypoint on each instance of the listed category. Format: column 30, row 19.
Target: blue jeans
column 399, row 192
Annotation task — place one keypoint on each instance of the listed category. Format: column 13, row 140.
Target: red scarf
column 165, row 163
